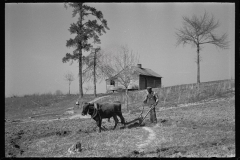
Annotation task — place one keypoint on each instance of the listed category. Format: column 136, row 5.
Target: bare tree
column 198, row 32
column 97, row 67
column 92, row 71
column 121, row 65
column 69, row 77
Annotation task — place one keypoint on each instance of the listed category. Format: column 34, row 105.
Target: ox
column 105, row 110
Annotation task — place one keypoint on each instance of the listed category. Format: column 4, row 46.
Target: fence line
column 179, row 94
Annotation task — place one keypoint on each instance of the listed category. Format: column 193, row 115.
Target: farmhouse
column 142, row 78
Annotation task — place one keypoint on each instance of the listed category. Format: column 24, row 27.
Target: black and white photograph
column 120, row 79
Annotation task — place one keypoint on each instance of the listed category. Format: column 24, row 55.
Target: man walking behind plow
column 151, row 100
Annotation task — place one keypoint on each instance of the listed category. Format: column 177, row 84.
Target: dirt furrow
column 151, row 137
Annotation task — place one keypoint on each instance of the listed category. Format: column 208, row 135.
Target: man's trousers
column 153, row 117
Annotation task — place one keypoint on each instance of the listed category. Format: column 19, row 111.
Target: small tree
column 198, row 32
column 121, row 65
column 69, row 77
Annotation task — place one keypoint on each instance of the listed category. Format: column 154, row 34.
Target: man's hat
column 149, row 87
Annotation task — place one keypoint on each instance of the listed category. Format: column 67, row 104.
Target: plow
column 140, row 118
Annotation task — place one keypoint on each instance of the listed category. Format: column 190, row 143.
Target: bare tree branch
column 199, row 31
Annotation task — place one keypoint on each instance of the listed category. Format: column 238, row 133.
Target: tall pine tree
column 85, row 30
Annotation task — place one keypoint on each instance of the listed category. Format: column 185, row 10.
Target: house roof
column 141, row 71
column 146, row 72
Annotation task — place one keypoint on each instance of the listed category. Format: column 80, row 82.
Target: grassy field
column 32, row 106
column 203, row 129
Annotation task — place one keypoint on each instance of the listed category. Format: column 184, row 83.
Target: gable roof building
column 144, row 77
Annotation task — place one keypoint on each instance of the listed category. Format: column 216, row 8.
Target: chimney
column 139, row 65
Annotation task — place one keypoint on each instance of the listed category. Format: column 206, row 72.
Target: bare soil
column 204, row 130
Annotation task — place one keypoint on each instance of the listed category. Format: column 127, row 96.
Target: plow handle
column 141, row 112
column 146, row 114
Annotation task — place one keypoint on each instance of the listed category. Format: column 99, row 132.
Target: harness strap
column 95, row 105
column 95, row 110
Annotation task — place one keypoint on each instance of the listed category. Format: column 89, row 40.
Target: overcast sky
column 36, row 34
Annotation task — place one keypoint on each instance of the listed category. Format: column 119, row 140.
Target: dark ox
column 105, row 110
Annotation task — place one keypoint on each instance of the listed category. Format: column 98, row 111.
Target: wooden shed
column 143, row 78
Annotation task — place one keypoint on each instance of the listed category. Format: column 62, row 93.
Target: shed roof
column 146, row 72
column 141, row 71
